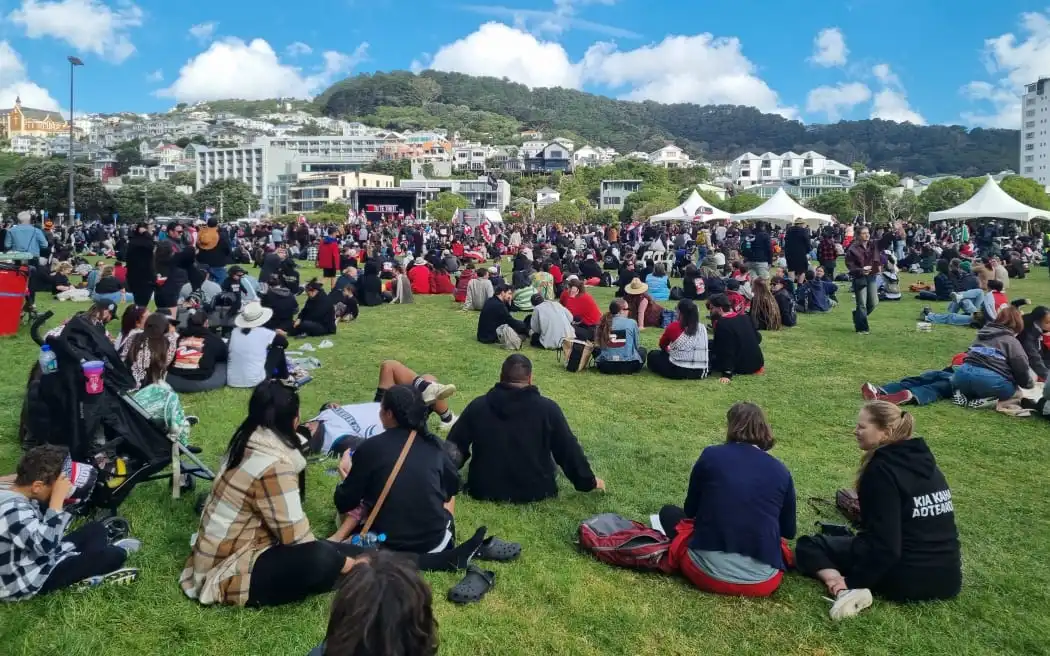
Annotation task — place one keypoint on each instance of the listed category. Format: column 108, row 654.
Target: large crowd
column 227, row 301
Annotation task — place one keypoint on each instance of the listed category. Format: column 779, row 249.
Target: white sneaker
column 129, row 545
column 446, row 426
column 325, row 344
column 849, row 603
column 307, row 348
column 437, row 392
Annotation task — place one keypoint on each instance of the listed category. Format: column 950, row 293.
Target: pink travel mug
column 93, row 376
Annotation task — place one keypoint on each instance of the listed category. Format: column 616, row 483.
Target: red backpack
column 619, row 541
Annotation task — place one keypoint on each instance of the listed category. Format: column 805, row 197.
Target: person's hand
column 724, row 380
column 867, row 269
column 280, row 331
column 60, row 492
column 599, row 484
column 296, row 324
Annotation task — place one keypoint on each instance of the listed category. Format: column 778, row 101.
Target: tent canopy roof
column 782, row 208
column 695, row 208
column 991, row 202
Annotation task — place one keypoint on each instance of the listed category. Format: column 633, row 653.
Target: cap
column 235, row 269
column 493, row 269
column 109, row 306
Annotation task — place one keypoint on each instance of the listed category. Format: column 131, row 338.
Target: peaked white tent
column 991, row 202
column 782, row 208
column 695, row 208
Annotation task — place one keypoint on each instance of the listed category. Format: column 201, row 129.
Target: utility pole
column 221, row 207
column 145, row 196
column 71, row 207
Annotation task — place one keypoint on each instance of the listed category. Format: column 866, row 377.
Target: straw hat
column 419, row 262
column 636, row 287
column 253, row 315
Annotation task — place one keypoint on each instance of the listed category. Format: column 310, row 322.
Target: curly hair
column 764, row 308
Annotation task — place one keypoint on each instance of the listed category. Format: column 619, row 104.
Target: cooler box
column 14, row 286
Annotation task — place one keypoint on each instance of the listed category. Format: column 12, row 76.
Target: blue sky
column 927, row 61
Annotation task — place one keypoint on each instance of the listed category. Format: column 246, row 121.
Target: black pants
column 829, row 269
column 584, row 333
column 669, row 518
column 620, row 367
column 309, row 329
column 96, row 557
column 816, row 552
column 661, row 365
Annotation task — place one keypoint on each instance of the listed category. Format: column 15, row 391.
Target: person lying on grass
column 731, row 536
column 908, row 545
column 254, row 545
column 37, row 556
column 514, row 438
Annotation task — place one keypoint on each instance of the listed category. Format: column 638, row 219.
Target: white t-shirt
column 359, row 420
column 246, row 363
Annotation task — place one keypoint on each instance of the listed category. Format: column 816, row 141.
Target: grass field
column 642, row 435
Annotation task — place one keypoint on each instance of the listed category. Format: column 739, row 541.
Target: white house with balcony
column 470, row 157
column 749, row 169
column 613, row 193
column 547, row 196
column 637, row 155
column 670, row 157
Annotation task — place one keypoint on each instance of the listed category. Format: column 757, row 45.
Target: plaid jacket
column 30, row 545
column 250, row 509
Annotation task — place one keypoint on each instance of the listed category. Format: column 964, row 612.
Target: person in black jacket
column 200, row 357
column 142, row 277
column 1036, row 324
column 370, row 286
column 213, row 250
column 760, row 252
column 785, row 301
column 282, row 302
column 496, row 313
column 510, row 436
column 796, row 248
column 734, row 349
column 908, row 545
column 317, row 317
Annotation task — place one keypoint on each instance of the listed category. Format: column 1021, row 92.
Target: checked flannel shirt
column 31, row 545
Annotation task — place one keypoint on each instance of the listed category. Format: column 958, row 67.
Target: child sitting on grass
column 36, row 557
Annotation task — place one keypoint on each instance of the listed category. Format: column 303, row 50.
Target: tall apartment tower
column 1035, row 132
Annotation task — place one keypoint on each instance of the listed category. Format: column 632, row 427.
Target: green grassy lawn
column 642, row 435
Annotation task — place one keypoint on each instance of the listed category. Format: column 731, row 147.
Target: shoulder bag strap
column 389, row 483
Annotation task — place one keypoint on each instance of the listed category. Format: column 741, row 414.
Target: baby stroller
column 108, row 431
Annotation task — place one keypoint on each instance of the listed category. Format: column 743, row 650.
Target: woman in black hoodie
column 279, row 299
column 317, row 317
column 142, row 277
column 908, row 545
column 200, row 357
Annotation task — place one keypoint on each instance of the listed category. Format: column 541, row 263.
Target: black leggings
column 96, row 557
column 661, row 365
column 622, row 367
column 309, row 329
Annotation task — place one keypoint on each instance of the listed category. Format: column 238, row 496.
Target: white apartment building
column 327, row 153
column 470, row 157
column 670, row 157
column 31, row 146
column 530, row 148
column 479, row 193
column 547, row 196
column 750, row 169
column 1035, row 152
column 613, row 193
column 312, row 191
column 256, row 165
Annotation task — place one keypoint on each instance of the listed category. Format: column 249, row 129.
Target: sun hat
column 419, row 262
column 493, row 269
column 636, row 287
column 253, row 315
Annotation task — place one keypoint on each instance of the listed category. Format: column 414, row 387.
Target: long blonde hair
column 897, row 424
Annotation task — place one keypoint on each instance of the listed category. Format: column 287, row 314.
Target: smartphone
column 67, row 468
column 834, row 530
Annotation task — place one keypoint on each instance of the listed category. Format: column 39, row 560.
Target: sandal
column 498, row 550
column 473, row 586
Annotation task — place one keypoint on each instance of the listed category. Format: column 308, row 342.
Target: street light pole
column 73, row 63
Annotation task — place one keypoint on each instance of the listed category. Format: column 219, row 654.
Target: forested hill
column 499, row 109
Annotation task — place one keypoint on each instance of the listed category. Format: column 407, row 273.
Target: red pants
column 679, row 560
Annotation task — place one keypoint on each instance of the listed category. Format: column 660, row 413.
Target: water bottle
column 48, row 360
column 370, row 540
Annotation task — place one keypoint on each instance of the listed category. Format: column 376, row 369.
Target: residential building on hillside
column 312, row 191
column 805, row 187
column 480, row 193
column 24, row 121
column 547, row 196
column 670, row 157
column 470, row 157
column 328, row 153
column 612, row 193
column 552, row 157
column 531, row 147
column 750, row 169
column 436, row 169
column 1035, row 151
column 256, row 165
column 30, row 145
column 637, row 155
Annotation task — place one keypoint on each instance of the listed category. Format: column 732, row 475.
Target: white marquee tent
column 991, row 202
column 783, row 209
column 695, row 208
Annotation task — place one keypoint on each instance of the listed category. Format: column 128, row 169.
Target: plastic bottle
column 48, row 360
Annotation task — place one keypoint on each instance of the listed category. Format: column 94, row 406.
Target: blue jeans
column 218, row 274
column 980, row 383
column 927, row 387
column 967, row 301
column 949, row 319
column 866, row 292
column 115, row 297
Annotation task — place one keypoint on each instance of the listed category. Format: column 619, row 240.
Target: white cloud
column 499, row 50
column 1017, row 61
column 155, row 76
column 829, row 48
column 700, row 69
column 14, row 83
column 554, row 22
column 231, row 68
column 298, row 48
column 203, row 32
column 838, row 100
column 87, row 25
column 891, row 102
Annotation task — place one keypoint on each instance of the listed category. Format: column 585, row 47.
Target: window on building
column 611, row 200
column 1030, row 112
column 1029, row 135
column 1030, row 147
column 1028, row 169
column 1030, row 124
column 1030, row 101
column 1029, row 158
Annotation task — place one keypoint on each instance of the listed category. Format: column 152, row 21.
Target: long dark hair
column 162, row 257
column 1036, row 316
column 273, row 406
column 383, row 607
column 405, row 403
column 604, row 332
column 130, row 319
column 154, row 338
column 689, row 316
column 764, row 308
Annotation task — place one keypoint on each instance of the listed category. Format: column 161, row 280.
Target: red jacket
column 328, row 254
column 461, row 284
column 419, row 276
column 556, row 272
column 441, row 283
column 582, row 307
column 457, row 249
